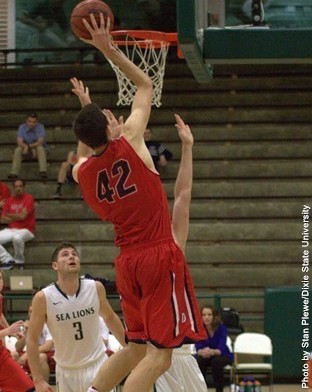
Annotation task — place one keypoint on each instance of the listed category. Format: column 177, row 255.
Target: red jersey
column 16, row 204
column 1, row 305
column 120, row 189
column 4, row 191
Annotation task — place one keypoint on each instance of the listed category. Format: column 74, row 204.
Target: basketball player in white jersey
column 71, row 308
column 184, row 374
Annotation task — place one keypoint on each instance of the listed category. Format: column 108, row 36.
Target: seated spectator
column 30, row 145
column 213, row 352
column 46, row 351
column 4, row 194
column 12, row 376
column 160, row 154
column 19, row 214
column 65, row 172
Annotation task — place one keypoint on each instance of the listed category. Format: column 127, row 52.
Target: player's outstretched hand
column 184, row 130
column 81, row 91
column 114, row 126
column 101, row 37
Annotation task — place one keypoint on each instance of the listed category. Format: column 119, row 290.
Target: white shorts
column 183, row 375
column 77, row 379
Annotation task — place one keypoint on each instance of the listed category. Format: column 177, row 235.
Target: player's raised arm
column 81, row 91
column 141, row 107
column 83, row 151
column 183, row 185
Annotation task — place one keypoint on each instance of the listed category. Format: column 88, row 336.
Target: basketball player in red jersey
column 121, row 184
column 12, row 376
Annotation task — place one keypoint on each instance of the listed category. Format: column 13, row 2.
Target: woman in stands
column 213, row 352
column 12, row 376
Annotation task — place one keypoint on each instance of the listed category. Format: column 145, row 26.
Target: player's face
column 68, row 260
column 207, row 316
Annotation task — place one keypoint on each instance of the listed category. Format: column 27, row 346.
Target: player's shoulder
column 40, row 297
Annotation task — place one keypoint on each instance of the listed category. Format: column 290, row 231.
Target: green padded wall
column 282, row 322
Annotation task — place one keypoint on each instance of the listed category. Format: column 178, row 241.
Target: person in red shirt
column 12, row 376
column 4, row 194
column 120, row 183
column 19, row 214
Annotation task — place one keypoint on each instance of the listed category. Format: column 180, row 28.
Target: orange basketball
column 83, row 11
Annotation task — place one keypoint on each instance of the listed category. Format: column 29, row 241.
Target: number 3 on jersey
column 121, row 170
column 78, row 329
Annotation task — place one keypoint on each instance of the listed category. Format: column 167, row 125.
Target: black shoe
column 58, row 194
column 12, row 176
column 8, row 266
column 43, row 175
column 20, row 266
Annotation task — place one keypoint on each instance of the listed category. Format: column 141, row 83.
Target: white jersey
column 74, row 324
column 183, row 375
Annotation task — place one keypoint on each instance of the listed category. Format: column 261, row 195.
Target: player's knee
column 162, row 361
column 135, row 352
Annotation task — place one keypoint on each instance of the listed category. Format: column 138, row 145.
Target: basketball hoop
column 148, row 50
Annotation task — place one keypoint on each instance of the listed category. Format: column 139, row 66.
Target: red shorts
column 157, row 296
column 12, row 377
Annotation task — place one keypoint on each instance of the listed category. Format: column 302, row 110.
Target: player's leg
column 155, row 363
column 118, row 366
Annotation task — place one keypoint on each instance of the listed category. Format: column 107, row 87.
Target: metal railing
column 53, row 56
column 216, row 299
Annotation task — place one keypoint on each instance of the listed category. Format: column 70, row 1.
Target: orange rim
column 144, row 38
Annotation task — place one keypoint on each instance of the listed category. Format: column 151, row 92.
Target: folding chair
column 257, row 345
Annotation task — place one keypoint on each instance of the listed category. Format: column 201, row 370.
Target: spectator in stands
column 45, row 25
column 19, row 214
column 65, row 172
column 30, row 145
column 4, row 194
column 160, row 154
column 213, row 352
column 12, row 376
column 46, row 350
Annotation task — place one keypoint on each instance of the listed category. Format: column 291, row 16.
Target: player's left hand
column 115, row 126
column 81, row 91
column 184, row 130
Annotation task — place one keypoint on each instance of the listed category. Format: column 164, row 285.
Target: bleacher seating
column 252, row 169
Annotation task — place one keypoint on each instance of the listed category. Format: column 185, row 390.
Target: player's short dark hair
column 62, row 245
column 90, row 126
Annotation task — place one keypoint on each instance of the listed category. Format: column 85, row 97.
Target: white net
column 151, row 59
